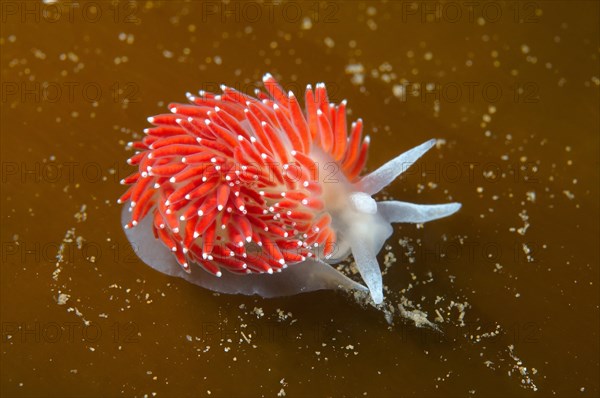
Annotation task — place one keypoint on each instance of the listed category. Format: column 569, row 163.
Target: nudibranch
column 257, row 195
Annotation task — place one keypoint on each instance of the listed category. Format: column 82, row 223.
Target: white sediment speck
column 62, row 298
column 417, row 316
column 306, row 23
column 569, row 194
column 357, row 71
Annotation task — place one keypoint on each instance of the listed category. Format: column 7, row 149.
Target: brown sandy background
column 511, row 280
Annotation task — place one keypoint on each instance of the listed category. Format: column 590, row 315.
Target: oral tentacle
column 395, row 211
column 366, row 262
column 374, row 182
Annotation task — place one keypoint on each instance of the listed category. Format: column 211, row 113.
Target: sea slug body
column 255, row 195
